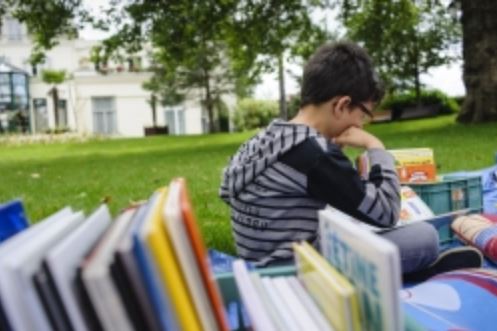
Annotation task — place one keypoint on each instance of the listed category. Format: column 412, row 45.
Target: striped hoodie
column 279, row 179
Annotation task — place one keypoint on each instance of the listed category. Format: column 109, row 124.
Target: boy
column 279, row 179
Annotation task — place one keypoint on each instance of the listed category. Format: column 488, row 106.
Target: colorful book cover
column 415, row 165
column 334, row 294
column 372, row 265
column 457, row 300
column 159, row 297
column 164, row 256
column 202, row 257
column 12, row 219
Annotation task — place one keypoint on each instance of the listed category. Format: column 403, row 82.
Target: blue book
column 160, row 300
column 457, row 300
column 12, row 219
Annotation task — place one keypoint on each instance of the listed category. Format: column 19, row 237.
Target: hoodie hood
column 259, row 153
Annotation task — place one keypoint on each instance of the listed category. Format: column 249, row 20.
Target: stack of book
column 354, row 285
column 146, row 270
column 149, row 269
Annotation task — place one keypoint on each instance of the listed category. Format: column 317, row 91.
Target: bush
column 293, row 105
column 59, row 130
column 442, row 102
column 459, row 100
column 252, row 114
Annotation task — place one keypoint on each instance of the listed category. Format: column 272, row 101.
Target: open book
column 412, row 210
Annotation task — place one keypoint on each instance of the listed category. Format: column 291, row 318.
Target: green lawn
column 50, row 176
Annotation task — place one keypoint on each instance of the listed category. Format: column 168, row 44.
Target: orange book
column 202, row 257
column 415, row 165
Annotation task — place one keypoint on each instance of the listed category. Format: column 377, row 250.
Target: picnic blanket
column 480, row 231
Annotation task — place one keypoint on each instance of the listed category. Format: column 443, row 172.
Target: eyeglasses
column 365, row 110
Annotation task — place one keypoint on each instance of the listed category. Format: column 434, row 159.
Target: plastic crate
column 442, row 223
column 234, row 308
column 451, row 194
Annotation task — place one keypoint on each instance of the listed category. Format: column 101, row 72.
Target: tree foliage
column 54, row 77
column 274, row 31
column 405, row 37
column 47, row 20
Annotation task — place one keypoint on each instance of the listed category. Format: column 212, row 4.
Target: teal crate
column 442, row 224
column 232, row 302
column 451, row 194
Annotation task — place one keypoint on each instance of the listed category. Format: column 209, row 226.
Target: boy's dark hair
column 341, row 68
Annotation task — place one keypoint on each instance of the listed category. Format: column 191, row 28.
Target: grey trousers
column 417, row 243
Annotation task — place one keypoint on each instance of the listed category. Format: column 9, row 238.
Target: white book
column 20, row 299
column 64, row 259
column 259, row 318
column 98, row 279
column 295, row 306
column 370, row 262
column 180, row 240
column 271, row 308
column 280, row 305
column 309, row 304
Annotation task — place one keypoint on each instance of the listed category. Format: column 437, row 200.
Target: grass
column 82, row 175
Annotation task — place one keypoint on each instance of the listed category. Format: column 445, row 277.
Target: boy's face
column 346, row 114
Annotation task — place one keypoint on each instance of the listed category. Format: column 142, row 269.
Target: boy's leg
column 419, row 252
column 417, row 243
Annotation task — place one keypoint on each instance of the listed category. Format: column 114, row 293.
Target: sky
column 447, row 78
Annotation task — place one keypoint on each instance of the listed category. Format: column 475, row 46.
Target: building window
column 13, row 29
column 104, row 115
column 62, row 108
column 19, row 84
column 40, row 114
column 5, row 96
column 175, row 120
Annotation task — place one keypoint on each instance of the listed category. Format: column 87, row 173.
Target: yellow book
column 334, row 294
column 161, row 250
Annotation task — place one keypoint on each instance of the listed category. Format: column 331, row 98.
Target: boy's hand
column 355, row 137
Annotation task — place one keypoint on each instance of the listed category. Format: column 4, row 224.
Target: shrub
column 58, row 130
column 252, row 114
column 442, row 102
column 460, row 100
column 293, row 105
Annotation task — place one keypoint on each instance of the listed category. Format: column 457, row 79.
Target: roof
column 7, row 67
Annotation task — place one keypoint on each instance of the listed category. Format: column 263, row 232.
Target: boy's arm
column 331, row 178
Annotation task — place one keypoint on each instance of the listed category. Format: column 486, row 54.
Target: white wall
column 132, row 110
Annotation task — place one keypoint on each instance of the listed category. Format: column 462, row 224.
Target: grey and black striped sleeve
column 332, row 179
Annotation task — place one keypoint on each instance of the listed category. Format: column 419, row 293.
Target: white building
column 90, row 102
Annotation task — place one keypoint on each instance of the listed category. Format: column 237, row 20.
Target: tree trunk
column 479, row 25
column 153, row 104
column 417, row 83
column 209, row 104
column 55, row 98
column 281, row 79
